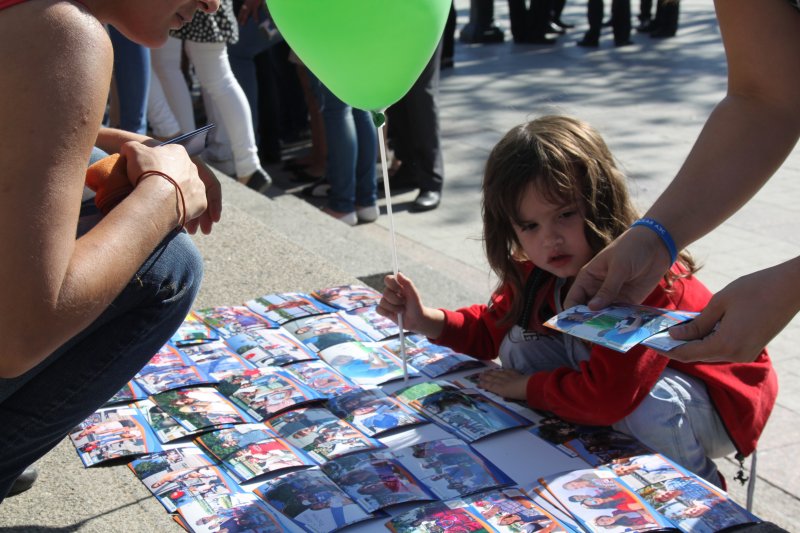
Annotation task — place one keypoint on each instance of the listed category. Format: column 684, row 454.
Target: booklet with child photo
column 621, row 327
column 376, row 480
column 230, row 320
column 252, row 450
column 287, row 306
column 113, row 433
column 311, row 500
column 464, row 412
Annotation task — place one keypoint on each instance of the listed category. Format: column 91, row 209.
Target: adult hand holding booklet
column 622, row 326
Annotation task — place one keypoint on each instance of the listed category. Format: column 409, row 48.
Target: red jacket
column 610, row 385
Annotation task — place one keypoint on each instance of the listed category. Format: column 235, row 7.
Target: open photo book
column 621, row 327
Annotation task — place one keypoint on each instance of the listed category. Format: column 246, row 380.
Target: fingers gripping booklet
column 622, row 326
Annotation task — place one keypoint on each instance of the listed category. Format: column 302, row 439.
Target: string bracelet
column 178, row 192
column 662, row 232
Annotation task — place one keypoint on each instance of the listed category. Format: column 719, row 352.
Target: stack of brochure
column 295, row 412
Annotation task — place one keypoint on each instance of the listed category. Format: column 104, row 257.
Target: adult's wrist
column 663, row 234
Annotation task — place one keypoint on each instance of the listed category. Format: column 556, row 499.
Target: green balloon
column 367, row 52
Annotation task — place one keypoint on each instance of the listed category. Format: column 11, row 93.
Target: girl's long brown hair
column 567, row 161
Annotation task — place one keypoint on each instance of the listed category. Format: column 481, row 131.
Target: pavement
column 649, row 101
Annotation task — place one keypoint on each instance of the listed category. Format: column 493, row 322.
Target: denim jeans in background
column 39, row 408
column 352, row 151
column 132, row 74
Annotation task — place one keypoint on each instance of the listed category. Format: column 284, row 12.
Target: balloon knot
column 378, row 118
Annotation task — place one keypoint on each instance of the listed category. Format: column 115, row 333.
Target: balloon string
column 385, row 169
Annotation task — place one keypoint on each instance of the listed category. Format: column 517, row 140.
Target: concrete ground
column 649, row 100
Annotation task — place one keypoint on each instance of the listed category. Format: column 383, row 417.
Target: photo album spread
column 297, row 412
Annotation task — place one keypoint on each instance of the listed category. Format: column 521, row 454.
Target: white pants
column 224, row 95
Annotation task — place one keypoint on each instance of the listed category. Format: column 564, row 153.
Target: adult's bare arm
column 51, row 105
column 744, row 141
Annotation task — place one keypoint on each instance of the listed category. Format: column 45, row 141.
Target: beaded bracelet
column 662, row 232
column 178, row 190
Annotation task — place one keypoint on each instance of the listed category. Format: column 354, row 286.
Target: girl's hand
column 509, row 384
column 401, row 296
column 173, row 161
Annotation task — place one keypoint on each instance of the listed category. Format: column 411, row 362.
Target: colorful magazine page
column 113, row 433
column 373, row 412
column 558, row 432
column 223, row 443
column 599, row 501
column 694, row 505
column 643, row 470
column 455, row 516
column 376, row 480
column 321, row 434
column 130, row 393
column 366, row 364
column 271, row 455
column 451, row 468
column 600, row 445
column 322, row 378
column 166, row 428
column 464, row 412
column 154, row 469
column 619, row 327
column 323, row 331
column 285, row 307
column 543, row 499
column 199, row 408
column 245, row 513
column 193, row 331
column 264, row 392
column 230, row 320
column 511, row 510
column 172, row 378
column 367, row 320
column 311, row 500
column 271, row 347
column 208, row 356
column 431, row 359
column 208, row 485
column 167, row 357
column 348, row 297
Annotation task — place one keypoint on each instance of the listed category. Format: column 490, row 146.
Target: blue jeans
column 132, row 72
column 40, row 407
column 352, row 151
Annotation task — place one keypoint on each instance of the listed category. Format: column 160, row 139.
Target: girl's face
column 552, row 236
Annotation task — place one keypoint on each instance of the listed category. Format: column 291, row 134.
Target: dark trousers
column 620, row 18
column 414, row 125
column 528, row 22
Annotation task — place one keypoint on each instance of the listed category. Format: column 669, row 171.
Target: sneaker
column 259, row 181
column 24, row 481
column 369, row 213
column 318, row 189
column 348, row 218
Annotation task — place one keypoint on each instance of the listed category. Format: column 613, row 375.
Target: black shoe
column 646, row 26
column 540, row 39
column 300, row 175
column 426, row 200
column 259, row 181
column 561, row 24
column 662, row 33
column 623, row 43
column 589, row 43
column 555, row 28
column 24, row 481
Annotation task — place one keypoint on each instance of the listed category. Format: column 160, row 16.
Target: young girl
column 552, row 198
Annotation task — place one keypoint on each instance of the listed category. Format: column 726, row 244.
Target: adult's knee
column 173, row 274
